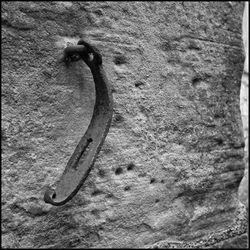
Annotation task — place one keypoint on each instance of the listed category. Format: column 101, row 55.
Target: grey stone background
column 169, row 170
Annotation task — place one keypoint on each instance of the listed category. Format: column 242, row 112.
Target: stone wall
column 244, row 102
column 169, row 170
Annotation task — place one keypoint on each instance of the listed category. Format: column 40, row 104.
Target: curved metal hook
column 83, row 158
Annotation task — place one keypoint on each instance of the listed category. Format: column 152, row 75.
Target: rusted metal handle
column 83, row 158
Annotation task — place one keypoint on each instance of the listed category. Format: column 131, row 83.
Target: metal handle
column 83, row 158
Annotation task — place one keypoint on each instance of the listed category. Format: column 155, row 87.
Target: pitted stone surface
column 170, row 167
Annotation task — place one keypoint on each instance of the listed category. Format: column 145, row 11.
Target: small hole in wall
column 118, row 171
column 96, row 192
column 127, row 188
column 195, row 81
column 53, row 195
column 130, row 166
column 120, row 60
column 138, row 84
column 90, row 140
column 118, row 118
column 95, row 211
column 157, row 200
column 219, row 141
column 152, row 180
column 162, row 181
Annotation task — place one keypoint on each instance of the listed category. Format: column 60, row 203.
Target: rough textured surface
column 244, row 103
column 233, row 237
column 172, row 162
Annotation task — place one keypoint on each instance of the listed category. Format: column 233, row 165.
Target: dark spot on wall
column 130, row 166
column 98, row 12
column 195, row 81
column 152, row 180
column 138, row 84
column 118, row 171
column 175, row 128
column 233, row 185
column 125, row 9
column 232, row 167
column 15, row 208
column 219, row 114
column 101, row 173
column 157, row 200
column 96, row 192
column 95, row 211
column 219, row 141
column 162, row 181
column 120, row 60
column 118, row 118
column 240, row 144
column 127, row 188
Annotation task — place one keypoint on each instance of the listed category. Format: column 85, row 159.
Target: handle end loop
column 49, row 196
